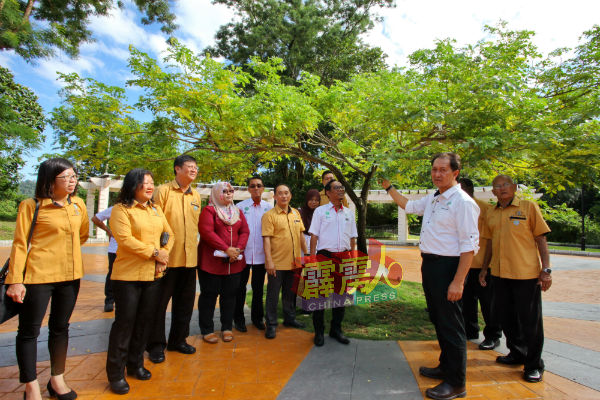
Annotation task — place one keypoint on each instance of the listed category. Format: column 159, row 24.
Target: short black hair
column 47, row 173
column 325, row 173
column 132, row 182
column 454, row 159
column 281, row 184
column 328, row 186
column 182, row 159
column 467, row 185
column 254, row 177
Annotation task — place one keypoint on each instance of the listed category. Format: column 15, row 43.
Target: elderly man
column 449, row 240
column 516, row 241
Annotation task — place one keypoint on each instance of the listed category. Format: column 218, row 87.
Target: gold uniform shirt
column 137, row 230
column 484, row 206
column 513, row 231
column 55, row 254
column 182, row 210
column 285, row 230
column 325, row 199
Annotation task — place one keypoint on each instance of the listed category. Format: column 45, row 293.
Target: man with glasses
column 181, row 205
column 515, row 232
column 333, row 230
column 253, row 208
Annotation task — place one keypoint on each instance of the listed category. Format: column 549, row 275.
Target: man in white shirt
column 253, row 208
column 449, row 240
column 98, row 220
column 333, row 230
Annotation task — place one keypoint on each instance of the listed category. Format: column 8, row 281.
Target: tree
column 35, row 28
column 316, row 36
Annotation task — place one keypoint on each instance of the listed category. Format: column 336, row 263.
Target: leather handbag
column 8, row 308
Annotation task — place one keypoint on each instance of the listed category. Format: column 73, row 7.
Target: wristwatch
column 547, row 270
column 155, row 253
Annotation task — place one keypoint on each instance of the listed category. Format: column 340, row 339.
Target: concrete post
column 89, row 203
column 402, row 226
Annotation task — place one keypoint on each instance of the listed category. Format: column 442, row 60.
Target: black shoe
column 319, row 339
column 241, row 327
column 67, row 396
column 182, row 347
column 270, row 332
column 435, row 373
column 259, row 325
column 534, row 375
column 339, row 336
column 119, row 387
column 509, row 359
column 156, row 356
column 445, row 391
column 140, row 373
column 109, row 307
column 489, row 344
column 294, row 324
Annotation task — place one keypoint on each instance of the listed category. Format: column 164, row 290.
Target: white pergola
column 112, row 183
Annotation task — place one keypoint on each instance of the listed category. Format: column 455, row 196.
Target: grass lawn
column 7, row 229
column 573, row 248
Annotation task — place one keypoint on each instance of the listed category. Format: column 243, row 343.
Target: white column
column 402, row 226
column 89, row 203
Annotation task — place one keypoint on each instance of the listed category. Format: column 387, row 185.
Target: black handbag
column 8, row 308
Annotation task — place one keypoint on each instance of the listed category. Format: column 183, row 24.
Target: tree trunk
column 28, row 10
column 361, row 225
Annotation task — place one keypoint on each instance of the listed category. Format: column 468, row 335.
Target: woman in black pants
column 137, row 225
column 50, row 270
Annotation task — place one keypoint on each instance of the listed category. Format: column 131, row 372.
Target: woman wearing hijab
column 313, row 199
column 223, row 236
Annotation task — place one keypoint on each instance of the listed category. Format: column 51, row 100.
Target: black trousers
column 282, row 282
column 178, row 284
column 35, row 303
column 257, row 312
column 109, row 298
column 518, row 304
column 437, row 274
column 472, row 293
column 211, row 286
column 135, row 306
column 337, row 314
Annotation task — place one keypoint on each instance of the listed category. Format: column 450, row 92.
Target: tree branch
column 28, row 10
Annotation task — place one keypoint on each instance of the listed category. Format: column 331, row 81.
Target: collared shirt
column 103, row 216
column 325, row 199
column 255, row 252
column 334, row 228
column 449, row 225
column 483, row 208
column 137, row 230
column 285, row 230
column 55, row 252
column 513, row 230
column 182, row 210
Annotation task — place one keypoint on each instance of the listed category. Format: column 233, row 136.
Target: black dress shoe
column 270, row 333
column 67, row 396
column 259, row 325
column 182, row 347
column 108, row 307
column 339, row 336
column 119, row 387
column 156, row 356
column 294, row 324
column 489, row 344
column 435, row 373
column 140, row 373
column 319, row 339
column 533, row 375
column 241, row 327
column 509, row 359
column 445, row 391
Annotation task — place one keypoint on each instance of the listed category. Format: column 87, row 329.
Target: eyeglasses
column 503, row 185
column 226, row 191
column 255, row 186
column 339, row 188
column 68, row 177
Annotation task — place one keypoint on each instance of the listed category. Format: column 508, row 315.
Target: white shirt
column 103, row 216
column 334, row 229
column 254, row 252
column 449, row 222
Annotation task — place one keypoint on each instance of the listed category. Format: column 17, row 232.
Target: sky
column 411, row 25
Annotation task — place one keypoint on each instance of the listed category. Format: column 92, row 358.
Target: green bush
column 8, row 210
column 565, row 224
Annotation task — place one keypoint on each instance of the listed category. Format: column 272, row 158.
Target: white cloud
column 83, row 66
column 199, row 20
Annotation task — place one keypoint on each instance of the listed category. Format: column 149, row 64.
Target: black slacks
column 109, row 298
column 211, row 286
column 472, row 293
column 337, row 313
column 135, row 306
column 178, row 284
column 258, row 282
column 35, row 303
column 518, row 304
column 437, row 274
column 282, row 281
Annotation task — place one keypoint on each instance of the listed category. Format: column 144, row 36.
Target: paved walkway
column 290, row 367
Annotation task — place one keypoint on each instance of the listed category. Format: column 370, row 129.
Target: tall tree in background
column 36, row 28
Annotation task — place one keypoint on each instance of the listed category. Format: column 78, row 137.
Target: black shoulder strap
column 33, row 221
